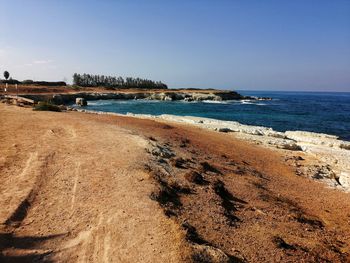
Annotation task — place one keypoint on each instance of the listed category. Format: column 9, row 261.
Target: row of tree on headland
column 90, row 80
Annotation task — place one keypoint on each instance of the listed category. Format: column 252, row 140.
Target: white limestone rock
column 81, row 101
column 344, row 180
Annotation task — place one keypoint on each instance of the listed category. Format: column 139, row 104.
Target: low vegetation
column 46, row 106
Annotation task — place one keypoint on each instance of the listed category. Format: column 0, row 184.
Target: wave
column 146, row 100
column 99, row 103
column 214, row 101
column 251, row 102
column 115, row 102
column 246, row 102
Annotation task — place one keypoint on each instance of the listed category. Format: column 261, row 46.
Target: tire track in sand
column 75, row 186
column 29, row 163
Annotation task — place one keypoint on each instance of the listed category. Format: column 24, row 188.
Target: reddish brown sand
column 81, row 187
column 75, row 191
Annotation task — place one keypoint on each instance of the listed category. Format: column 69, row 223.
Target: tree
column 90, row 80
column 6, row 75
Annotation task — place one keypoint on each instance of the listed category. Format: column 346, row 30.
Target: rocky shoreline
column 330, row 156
column 327, row 156
column 318, row 156
column 165, row 95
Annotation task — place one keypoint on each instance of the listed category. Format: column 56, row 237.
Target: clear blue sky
column 259, row 45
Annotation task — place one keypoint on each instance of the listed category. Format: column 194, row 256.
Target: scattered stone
column 310, row 220
column 281, row 243
column 323, row 172
column 224, row 130
column 209, row 168
column 345, row 146
column 257, row 132
column 162, row 152
column 192, row 234
column 344, row 179
column 275, row 134
column 167, row 127
column 62, row 107
column 178, row 162
column 292, row 146
column 184, row 143
column 206, row 253
column 194, row 177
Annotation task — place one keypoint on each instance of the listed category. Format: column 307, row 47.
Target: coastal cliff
column 169, row 95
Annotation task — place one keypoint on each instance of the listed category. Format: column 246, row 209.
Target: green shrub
column 46, row 106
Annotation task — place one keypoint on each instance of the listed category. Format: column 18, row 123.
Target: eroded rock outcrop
column 184, row 95
column 81, row 102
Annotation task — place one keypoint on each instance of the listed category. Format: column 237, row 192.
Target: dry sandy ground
column 78, row 189
column 81, row 187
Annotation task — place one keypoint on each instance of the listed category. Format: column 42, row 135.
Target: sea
column 321, row 112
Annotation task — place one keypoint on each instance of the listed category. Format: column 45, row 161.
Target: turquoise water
column 324, row 112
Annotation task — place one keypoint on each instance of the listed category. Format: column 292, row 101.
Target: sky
column 301, row 45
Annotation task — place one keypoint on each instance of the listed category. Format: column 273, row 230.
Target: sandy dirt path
column 75, row 191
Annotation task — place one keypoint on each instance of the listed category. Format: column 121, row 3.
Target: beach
column 79, row 187
column 175, row 131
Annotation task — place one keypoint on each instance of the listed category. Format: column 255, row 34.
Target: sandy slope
column 77, row 189
column 81, row 187
column 263, row 211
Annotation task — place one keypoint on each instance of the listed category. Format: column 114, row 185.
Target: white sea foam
column 100, row 103
column 246, row 102
column 214, row 101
